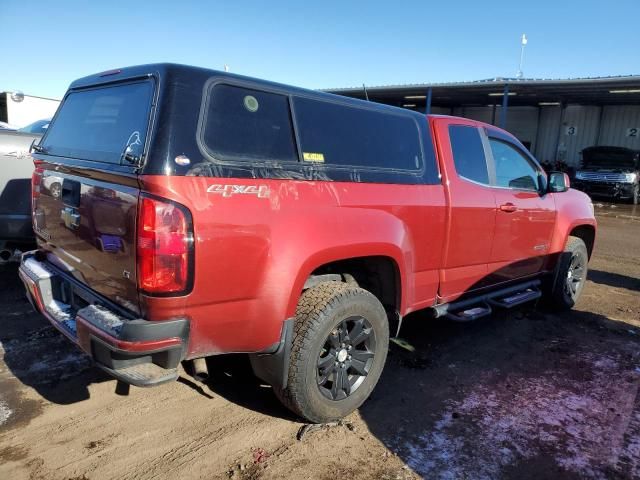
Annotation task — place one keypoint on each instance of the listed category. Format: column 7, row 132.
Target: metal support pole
column 427, row 110
column 505, row 105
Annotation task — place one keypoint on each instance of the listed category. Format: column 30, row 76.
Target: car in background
column 16, row 168
column 39, row 126
column 610, row 172
column 6, row 126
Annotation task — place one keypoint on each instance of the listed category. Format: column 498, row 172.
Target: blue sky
column 47, row 44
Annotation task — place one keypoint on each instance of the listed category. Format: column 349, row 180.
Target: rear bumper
column 134, row 350
column 622, row 191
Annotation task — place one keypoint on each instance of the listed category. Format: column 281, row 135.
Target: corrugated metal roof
column 498, row 81
column 620, row 89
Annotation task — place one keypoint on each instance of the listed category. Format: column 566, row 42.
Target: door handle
column 508, row 207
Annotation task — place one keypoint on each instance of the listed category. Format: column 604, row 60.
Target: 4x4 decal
column 262, row 191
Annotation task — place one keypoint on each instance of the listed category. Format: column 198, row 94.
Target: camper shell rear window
column 99, row 124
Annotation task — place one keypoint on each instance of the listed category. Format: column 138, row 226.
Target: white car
column 54, row 185
column 7, row 126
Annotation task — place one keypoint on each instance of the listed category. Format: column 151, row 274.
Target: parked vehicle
column 610, row 172
column 19, row 109
column 16, row 168
column 39, row 126
column 205, row 213
column 6, row 126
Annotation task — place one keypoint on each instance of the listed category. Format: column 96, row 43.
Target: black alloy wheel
column 338, row 351
column 570, row 276
column 575, row 275
column 346, row 358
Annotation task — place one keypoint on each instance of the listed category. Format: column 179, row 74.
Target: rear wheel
column 340, row 343
column 570, row 275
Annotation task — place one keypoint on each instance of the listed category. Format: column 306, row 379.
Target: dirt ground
column 526, row 394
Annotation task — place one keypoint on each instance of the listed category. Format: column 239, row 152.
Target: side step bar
column 517, row 298
column 480, row 306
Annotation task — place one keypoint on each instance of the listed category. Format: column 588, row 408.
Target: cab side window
column 468, row 153
column 513, row 169
column 344, row 135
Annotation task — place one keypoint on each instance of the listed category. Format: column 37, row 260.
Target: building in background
column 555, row 119
column 19, row 110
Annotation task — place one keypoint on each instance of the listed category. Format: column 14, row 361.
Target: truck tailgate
column 89, row 226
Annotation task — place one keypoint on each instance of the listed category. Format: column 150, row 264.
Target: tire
column 330, row 373
column 570, row 275
column 56, row 190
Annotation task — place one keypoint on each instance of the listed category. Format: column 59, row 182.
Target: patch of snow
column 37, row 268
column 103, row 318
column 5, row 412
column 59, row 310
column 62, row 313
column 55, row 363
column 550, row 413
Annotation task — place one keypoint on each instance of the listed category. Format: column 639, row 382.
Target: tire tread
column 312, row 307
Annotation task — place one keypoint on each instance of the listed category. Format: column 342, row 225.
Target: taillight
column 165, row 247
column 36, row 180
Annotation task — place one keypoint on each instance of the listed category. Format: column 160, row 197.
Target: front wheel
column 570, row 275
column 340, row 343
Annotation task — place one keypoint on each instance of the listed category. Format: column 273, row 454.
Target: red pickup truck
column 204, row 213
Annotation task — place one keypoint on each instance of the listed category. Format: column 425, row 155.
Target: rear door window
column 100, row 123
column 468, row 153
column 242, row 124
column 345, row 135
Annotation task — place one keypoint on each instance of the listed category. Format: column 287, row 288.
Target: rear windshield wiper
column 38, row 148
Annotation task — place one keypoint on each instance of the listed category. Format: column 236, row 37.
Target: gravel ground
column 527, row 394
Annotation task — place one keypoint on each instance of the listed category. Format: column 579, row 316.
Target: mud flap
column 273, row 368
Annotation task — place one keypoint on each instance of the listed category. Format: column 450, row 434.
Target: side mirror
column 558, row 182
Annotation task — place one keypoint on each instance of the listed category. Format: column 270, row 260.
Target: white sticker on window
column 251, row 103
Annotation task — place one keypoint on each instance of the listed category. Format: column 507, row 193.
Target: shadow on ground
column 522, row 394
column 614, row 280
column 526, row 394
column 232, row 378
column 36, row 353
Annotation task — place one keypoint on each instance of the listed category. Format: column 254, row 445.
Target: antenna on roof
column 523, row 43
column 226, row 67
column 366, row 95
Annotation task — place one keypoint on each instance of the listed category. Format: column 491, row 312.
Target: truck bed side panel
column 254, row 251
